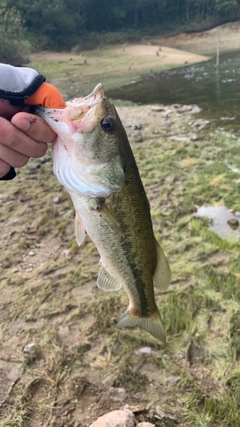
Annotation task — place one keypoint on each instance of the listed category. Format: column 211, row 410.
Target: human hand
column 25, row 136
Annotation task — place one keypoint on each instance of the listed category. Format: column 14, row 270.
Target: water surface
column 221, row 217
column 215, row 90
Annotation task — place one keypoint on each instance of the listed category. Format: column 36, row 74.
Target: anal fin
column 106, row 282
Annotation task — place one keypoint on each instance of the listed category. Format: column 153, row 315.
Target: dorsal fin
column 162, row 274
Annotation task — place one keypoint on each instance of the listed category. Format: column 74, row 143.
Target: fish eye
column 108, row 124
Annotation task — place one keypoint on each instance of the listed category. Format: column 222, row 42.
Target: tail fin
column 153, row 324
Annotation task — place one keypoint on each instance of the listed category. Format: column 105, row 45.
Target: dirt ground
column 205, row 42
column 62, row 360
column 113, row 66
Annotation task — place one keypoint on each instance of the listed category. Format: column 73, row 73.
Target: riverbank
column 114, row 66
column 76, row 75
column 205, row 42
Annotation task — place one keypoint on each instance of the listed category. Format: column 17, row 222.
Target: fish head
column 87, row 152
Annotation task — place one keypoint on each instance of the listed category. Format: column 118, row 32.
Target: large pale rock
column 121, row 418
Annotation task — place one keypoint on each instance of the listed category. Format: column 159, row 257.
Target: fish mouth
column 75, row 110
column 80, row 106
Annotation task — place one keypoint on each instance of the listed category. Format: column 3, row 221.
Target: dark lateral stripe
column 127, row 247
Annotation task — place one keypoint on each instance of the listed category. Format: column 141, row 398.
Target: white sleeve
column 17, row 83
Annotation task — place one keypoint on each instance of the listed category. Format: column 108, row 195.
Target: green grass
column 51, row 298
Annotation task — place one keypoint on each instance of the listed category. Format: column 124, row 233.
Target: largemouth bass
column 93, row 160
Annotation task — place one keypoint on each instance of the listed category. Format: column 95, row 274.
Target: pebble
column 137, row 138
column 57, row 200
column 68, row 214
column 145, row 424
column 29, row 348
column 121, row 418
column 117, row 394
column 157, row 108
column 5, row 264
column 66, row 252
column 32, row 167
column 174, row 379
column 145, row 351
column 16, row 220
column 186, row 108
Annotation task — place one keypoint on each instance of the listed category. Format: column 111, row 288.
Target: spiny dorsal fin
column 106, row 282
column 79, row 229
column 162, row 274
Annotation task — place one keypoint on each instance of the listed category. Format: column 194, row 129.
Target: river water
column 215, row 90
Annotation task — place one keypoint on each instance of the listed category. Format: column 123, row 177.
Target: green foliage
column 60, row 24
column 13, row 47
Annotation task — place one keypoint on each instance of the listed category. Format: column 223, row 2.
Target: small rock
column 145, row 351
column 180, row 138
column 137, row 138
column 16, row 220
column 31, row 253
column 136, row 127
column 140, row 396
column 121, row 418
column 145, row 424
column 45, row 159
column 200, row 123
column 68, row 214
column 157, row 108
column 117, row 394
column 57, row 200
column 32, row 167
column 174, row 379
column 233, row 223
column 186, row 108
column 194, row 137
column 66, row 252
column 5, row 264
column 29, row 348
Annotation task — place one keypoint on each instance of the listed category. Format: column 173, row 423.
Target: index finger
column 19, row 142
column 33, row 126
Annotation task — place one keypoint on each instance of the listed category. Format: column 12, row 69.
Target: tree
column 13, row 47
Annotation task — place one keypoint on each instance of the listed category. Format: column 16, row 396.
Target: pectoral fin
column 79, row 229
column 162, row 274
column 106, row 282
column 107, row 215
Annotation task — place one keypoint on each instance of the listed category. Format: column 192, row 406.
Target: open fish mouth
column 81, row 106
column 75, row 109
column 93, row 98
